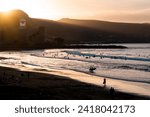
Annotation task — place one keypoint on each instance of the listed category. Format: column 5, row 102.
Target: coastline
column 41, row 84
column 109, row 46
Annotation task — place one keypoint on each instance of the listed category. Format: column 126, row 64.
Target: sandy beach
column 40, row 84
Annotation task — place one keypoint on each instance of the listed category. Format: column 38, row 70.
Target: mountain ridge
column 41, row 33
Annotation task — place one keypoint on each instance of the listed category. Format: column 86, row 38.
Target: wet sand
column 34, row 85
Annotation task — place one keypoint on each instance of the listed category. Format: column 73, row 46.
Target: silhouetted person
column 94, row 56
column 86, row 57
column 104, row 82
column 112, row 92
column 91, row 69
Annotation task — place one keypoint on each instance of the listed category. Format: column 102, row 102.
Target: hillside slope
column 141, row 32
column 42, row 33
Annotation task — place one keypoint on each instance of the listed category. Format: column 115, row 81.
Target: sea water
column 131, row 64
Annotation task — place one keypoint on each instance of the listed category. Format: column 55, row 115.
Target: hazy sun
column 32, row 7
column 6, row 5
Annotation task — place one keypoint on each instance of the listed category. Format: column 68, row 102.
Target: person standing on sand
column 112, row 92
column 104, row 82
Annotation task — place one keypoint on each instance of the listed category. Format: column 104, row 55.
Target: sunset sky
column 110, row 10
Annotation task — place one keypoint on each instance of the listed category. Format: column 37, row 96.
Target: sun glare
column 6, row 5
column 34, row 8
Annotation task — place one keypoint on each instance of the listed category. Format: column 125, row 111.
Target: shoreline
column 9, row 48
column 47, row 85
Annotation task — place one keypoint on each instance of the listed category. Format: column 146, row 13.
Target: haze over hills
column 17, row 27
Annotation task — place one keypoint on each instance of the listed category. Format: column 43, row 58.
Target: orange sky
column 110, row 10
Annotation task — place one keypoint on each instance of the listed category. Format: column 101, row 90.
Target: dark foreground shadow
column 19, row 85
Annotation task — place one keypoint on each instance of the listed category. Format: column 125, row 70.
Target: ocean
column 131, row 64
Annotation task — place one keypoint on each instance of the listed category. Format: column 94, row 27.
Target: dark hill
column 70, row 32
column 133, row 32
column 91, row 31
column 126, row 28
column 41, row 33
